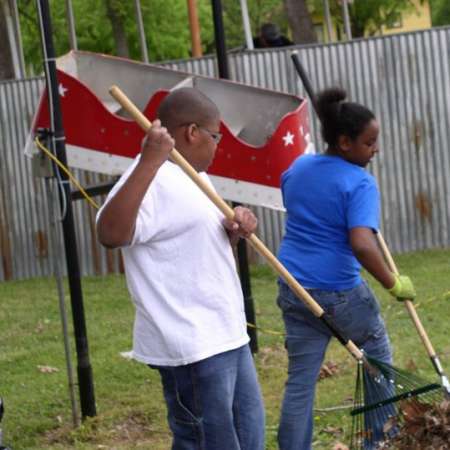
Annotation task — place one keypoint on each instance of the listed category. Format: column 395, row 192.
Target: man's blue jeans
column 357, row 314
column 215, row 404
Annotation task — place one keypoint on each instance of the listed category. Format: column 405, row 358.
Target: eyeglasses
column 216, row 136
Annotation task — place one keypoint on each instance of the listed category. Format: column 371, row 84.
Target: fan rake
column 384, row 397
column 399, row 397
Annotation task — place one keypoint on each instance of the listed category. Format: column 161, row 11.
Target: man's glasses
column 216, row 136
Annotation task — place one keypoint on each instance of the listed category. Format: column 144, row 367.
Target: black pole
column 244, row 273
column 85, row 381
column 219, row 36
column 305, row 80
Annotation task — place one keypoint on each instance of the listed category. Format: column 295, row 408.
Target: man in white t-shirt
column 177, row 248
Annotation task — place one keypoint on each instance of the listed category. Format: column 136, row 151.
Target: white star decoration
column 62, row 90
column 288, row 139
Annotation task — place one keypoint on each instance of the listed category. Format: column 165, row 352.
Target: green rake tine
column 397, row 398
column 380, row 389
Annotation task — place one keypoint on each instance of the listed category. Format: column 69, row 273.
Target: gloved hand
column 403, row 288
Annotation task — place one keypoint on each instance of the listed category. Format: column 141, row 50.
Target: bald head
column 184, row 106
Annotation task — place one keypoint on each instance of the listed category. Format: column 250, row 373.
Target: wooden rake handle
column 256, row 243
column 408, row 303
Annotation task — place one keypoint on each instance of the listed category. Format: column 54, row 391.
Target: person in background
column 177, row 246
column 270, row 36
column 333, row 207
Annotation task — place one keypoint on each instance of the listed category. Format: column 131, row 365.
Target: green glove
column 403, row 288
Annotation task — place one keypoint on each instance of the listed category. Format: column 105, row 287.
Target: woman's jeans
column 215, row 404
column 357, row 314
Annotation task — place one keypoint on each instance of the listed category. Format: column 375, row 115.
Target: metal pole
column 84, row 369
column 12, row 38
column 305, row 80
column 141, row 30
column 346, row 16
column 56, row 249
column 15, row 15
column 247, row 26
column 71, row 23
column 219, row 36
column 244, row 272
column 326, row 10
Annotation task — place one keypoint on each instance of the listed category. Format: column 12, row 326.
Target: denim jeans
column 357, row 314
column 215, row 404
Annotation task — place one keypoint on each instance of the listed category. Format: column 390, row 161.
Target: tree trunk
column 300, row 21
column 118, row 28
column 6, row 62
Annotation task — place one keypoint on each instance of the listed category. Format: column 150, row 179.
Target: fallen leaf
column 411, row 365
column 335, row 431
column 421, row 426
column 127, row 355
column 47, row 369
column 390, row 424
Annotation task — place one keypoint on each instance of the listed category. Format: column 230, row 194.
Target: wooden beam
column 195, row 29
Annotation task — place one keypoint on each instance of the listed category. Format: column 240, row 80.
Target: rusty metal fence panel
column 22, row 218
column 27, row 225
column 404, row 78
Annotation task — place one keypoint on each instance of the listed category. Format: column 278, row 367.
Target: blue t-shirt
column 325, row 196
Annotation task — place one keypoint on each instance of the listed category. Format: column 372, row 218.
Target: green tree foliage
column 440, row 12
column 368, row 17
column 167, row 27
column 165, row 21
column 6, row 66
column 94, row 30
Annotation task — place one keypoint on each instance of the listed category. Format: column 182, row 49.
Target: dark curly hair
column 340, row 117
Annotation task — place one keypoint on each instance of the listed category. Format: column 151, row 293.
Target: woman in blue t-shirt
column 333, row 206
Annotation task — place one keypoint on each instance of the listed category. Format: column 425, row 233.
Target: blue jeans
column 357, row 314
column 215, row 404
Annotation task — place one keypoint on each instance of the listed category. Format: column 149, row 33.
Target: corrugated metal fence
column 404, row 78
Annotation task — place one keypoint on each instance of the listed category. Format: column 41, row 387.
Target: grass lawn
column 131, row 412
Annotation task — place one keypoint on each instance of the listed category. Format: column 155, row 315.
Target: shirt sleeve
column 144, row 227
column 363, row 208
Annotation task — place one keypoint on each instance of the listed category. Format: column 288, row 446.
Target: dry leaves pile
column 422, row 427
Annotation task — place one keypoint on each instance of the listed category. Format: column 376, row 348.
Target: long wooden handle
column 259, row 246
column 408, row 303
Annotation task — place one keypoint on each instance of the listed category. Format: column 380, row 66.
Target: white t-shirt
column 181, row 274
